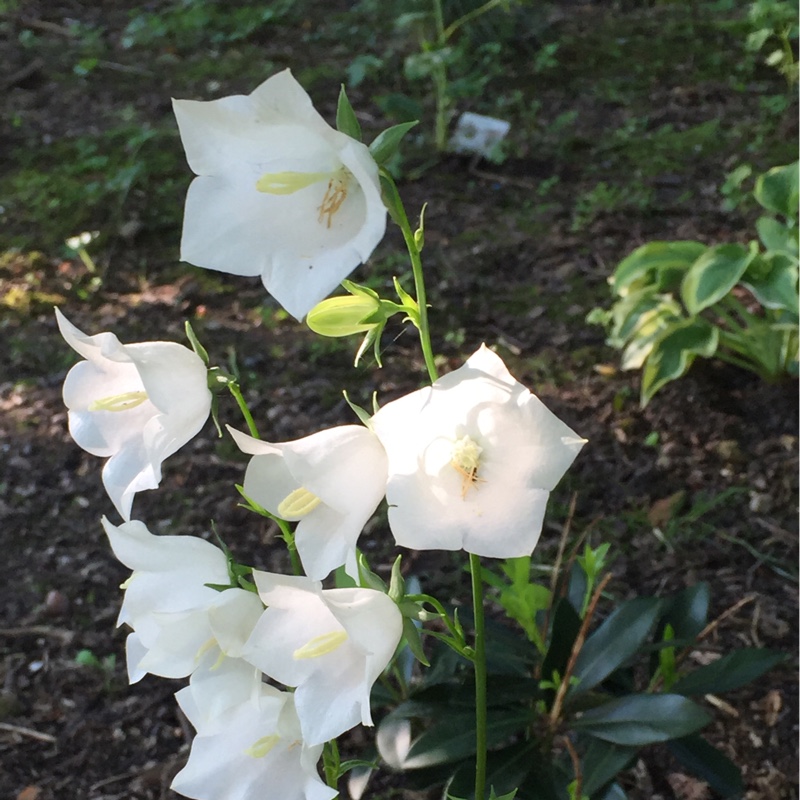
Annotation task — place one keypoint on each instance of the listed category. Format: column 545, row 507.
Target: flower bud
column 343, row 316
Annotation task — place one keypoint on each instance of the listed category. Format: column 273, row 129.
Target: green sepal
column 397, row 586
column 387, row 142
column 195, row 343
column 361, row 413
column 419, row 233
column 414, row 641
column 368, row 578
column 346, row 120
column 408, row 303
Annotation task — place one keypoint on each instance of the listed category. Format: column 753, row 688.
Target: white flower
column 248, row 750
column 175, row 616
column 279, row 193
column 472, row 460
column 136, row 404
column 331, row 644
column 331, row 482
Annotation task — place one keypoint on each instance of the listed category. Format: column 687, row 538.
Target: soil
column 71, row 729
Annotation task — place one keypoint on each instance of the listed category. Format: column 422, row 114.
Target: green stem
column 468, row 17
column 401, row 218
column 331, row 763
column 480, row 677
column 248, row 417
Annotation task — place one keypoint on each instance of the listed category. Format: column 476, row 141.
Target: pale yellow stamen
column 321, row 645
column 290, row 182
column 335, row 195
column 466, row 456
column 118, row 402
column 262, row 746
column 297, row 504
column 204, row 648
column 125, row 584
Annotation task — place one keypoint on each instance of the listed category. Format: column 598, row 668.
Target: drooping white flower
column 135, row 404
column 250, row 750
column 175, row 616
column 331, row 644
column 472, row 460
column 279, row 193
column 330, row 482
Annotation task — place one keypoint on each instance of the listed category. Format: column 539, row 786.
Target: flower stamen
column 465, row 461
column 261, row 747
column 297, row 504
column 335, row 195
column 320, row 645
column 118, row 402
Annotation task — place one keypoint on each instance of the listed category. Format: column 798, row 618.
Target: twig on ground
column 29, row 732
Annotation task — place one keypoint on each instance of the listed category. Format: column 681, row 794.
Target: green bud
column 342, row 316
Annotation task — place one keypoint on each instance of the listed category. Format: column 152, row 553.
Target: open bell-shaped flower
column 135, row 404
column 247, row 750
column 331, row 644
column 279, row 193
column 330, row 483
column 472, row 460
column 175, row 614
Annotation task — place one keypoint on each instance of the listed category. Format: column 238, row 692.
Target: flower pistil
column 118, row 402
column 465, row 460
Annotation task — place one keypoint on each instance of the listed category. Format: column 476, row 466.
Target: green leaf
column 662, row 263
column 708, row 764
column 714, row 274
column 614, row 642
column 729, row 672
column 777, row 236
column 641, row 719
column 773, row 281
column 564, row 630
column 687, row 611
column 452, row 738
column 602, row 762
column 346, row 120
column 777, row 190
column 386, row 143
column 673, row 353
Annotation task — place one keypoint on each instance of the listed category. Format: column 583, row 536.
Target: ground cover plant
column 516, row 254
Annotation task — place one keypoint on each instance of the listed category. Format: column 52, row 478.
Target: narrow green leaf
column 346, row 120
column 729, row 672
column 453, row 738
column 661, row 262
column 614, row 642
column 713, row 275
column 565, row 626
column 386, row 143
column 687, row 611
column 708, row 764
column 602, row 762
column 674, row 351
column 641, row 719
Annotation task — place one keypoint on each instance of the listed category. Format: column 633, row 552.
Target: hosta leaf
column 713, row 275
column 777, row 190
column 659, row 263
column 673, row 353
